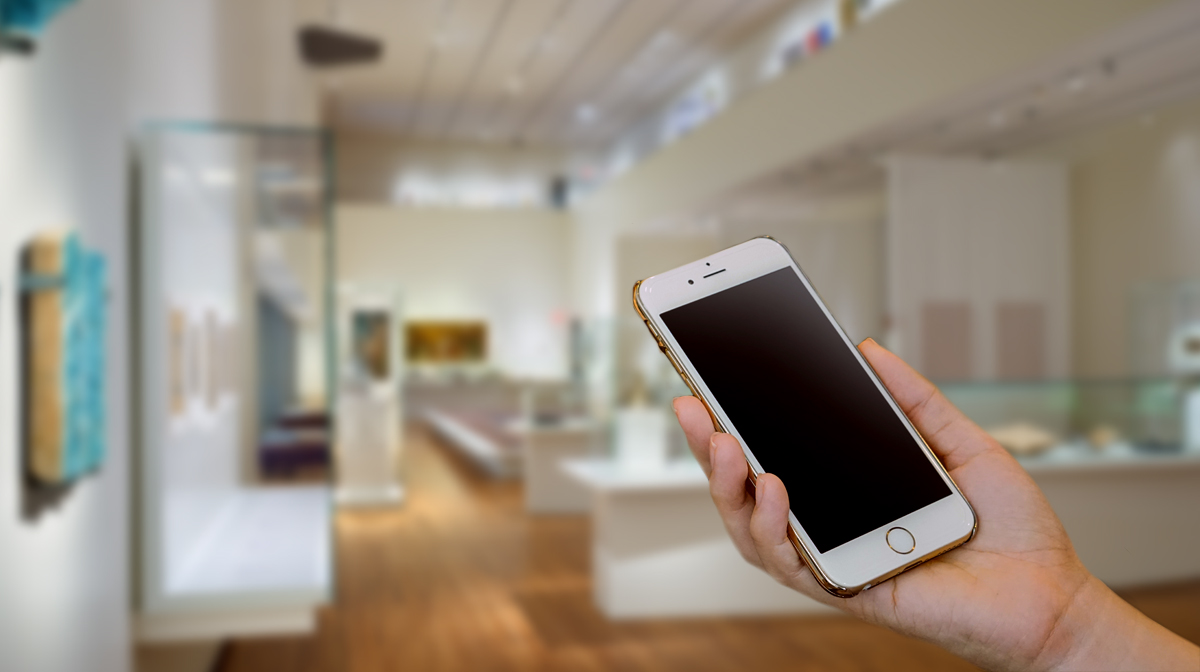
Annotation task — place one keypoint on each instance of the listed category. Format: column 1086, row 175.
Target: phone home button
column 901, row 540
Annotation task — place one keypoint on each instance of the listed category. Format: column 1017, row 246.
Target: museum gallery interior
column 317, row 348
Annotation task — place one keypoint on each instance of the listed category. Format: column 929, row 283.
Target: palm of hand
column 1006, row 590
column 996, row 600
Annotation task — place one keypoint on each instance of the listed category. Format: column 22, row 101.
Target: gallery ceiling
column 1146, row 66
column 568, row 73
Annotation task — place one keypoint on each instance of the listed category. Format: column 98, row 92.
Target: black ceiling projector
column 323, row 47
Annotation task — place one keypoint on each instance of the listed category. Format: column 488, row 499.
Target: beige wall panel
column 1135, row 220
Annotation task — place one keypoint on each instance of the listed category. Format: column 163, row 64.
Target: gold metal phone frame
column 801, row 547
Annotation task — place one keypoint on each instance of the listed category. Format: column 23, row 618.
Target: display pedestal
column 641, row 437
column 368, row 447
column 369, row 443
column 659, row 548
column 547, row 489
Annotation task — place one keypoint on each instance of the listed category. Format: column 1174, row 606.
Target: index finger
column 697, row 426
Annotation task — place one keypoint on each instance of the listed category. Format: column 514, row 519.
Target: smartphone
column 754, row 342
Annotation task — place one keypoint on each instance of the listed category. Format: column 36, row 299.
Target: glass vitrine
column 234, row 358
column 1086, row 422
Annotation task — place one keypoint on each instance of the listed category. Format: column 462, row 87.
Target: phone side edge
column 662, row 347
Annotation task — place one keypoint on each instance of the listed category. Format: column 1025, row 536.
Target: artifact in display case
column 64, row 341
column 1102, row 436
column 1023, row 439
column 1080, row 422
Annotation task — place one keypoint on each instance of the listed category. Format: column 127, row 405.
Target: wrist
column 1078, row 638
column 1101, row 631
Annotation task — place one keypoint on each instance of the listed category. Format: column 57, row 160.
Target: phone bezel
column 862, row 562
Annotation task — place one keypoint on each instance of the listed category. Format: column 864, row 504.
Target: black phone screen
column 805, row 407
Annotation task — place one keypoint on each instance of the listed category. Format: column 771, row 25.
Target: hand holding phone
column 1016, row 598
column 846, row 429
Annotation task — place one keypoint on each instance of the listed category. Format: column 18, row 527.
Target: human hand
column 1014, row 598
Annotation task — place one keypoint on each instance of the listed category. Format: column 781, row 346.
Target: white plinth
column 659, row 548
column 641, row 437
column 368, row 447
column 547, row 489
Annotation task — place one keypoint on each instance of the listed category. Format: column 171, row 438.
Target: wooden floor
column 461, row 579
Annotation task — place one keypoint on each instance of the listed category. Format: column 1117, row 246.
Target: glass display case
column 1085, row 422
column 233, row 356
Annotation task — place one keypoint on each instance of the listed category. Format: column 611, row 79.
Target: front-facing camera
column 691, row 282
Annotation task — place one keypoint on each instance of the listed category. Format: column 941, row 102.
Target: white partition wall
column 979, row 268
column 220, row 555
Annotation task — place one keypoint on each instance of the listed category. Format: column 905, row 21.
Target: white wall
column 508, row 267
column 980, row 234
column 218, row 60
column 903, row 61
column 839, row 243
column 65, row 117
column 64, row 579
column 372, row 165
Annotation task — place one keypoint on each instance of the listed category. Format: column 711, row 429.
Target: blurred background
column 318, row 350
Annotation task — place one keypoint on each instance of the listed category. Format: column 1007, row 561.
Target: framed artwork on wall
column 371, row 343
column 441, row 342
column 22, row 20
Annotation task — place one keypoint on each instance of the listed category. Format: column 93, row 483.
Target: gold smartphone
column 754, row 342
